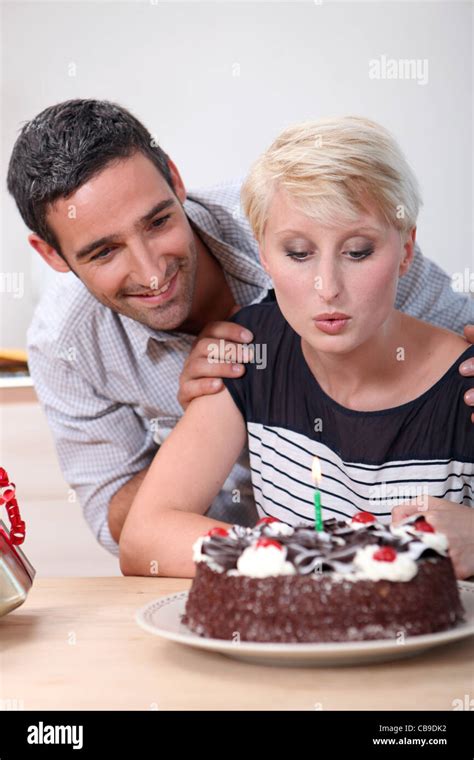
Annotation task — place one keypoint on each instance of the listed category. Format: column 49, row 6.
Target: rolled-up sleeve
column 100, row 443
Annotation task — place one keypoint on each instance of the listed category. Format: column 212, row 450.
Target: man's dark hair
column 64, row 147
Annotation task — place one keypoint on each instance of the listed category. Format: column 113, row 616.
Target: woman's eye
column 297, row 255
column 353, row 255
column 359, row 255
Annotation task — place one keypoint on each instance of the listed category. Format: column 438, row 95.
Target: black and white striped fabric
column 370, row 461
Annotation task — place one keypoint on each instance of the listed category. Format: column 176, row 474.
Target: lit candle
column 316, row 473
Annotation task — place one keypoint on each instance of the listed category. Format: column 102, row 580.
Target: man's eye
column 102, row 254
column 156, row 223
column 161, row 221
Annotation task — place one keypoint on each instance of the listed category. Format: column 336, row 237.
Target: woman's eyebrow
column 113, row 237
column 368, row 228
column 346, row 233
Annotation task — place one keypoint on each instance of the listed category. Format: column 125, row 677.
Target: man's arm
column 188, row 471
column 102, row 445
column 425, row 292
column 198, row 378
column 121, row 502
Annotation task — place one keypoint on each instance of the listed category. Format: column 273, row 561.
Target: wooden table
column 74, row 645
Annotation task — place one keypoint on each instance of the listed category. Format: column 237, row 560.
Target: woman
column 373, row 393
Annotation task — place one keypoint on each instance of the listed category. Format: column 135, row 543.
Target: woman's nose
column 327, row 281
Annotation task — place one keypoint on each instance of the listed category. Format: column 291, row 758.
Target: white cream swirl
column 436, row 541
column 279, row 529
column 199, row 556
column 262, row 561
column 402, row 568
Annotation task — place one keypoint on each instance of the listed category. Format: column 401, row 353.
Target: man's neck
column 213, row 299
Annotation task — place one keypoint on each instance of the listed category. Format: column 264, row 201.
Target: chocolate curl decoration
column 18, row 528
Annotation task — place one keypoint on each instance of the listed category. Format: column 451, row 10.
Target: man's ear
column 178, row 184
column 48, row 253
column 408, row 252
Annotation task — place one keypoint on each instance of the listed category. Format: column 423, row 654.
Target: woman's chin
column 331, row 344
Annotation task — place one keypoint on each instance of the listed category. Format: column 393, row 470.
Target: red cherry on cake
column 385, row 554
column 217, row 532
column 363, row 517
column 268, row 542
column 266, row 521
column 424, row 526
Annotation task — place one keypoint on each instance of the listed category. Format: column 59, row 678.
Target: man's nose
column 145, row 266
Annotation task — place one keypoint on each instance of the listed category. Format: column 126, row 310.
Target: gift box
column 16, row 572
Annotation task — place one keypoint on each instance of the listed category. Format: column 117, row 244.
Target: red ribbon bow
column 18, row 528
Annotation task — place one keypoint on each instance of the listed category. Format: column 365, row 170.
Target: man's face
column 151, row 243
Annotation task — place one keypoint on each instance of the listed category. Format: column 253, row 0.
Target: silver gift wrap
column 16, row 573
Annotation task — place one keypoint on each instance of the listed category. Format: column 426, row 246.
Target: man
column 121, row 347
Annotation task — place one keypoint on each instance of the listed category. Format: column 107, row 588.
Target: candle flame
column 316, row 471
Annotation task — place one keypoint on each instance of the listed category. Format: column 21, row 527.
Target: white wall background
column 216, row 81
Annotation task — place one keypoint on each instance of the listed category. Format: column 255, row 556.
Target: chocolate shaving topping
column 310, row 551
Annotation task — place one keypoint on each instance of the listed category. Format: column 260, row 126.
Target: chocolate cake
column 355, row 580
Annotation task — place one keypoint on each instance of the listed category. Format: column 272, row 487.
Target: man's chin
column 159, row 318
column 168, row 317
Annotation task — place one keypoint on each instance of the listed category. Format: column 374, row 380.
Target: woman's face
column 319, row 271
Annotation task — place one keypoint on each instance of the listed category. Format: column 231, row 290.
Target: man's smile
column 156, row 297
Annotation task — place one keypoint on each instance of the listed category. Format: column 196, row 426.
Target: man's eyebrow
column 87, row 249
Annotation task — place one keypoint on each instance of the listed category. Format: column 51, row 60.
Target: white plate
column 163, row 618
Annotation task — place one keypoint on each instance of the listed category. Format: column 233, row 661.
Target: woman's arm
column 456, row 521
column 187, row 473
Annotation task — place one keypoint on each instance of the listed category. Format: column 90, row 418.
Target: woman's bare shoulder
column 441, row 347
column 451, row 345
column 442, row 344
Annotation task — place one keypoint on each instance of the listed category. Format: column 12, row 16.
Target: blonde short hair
column 332, row 169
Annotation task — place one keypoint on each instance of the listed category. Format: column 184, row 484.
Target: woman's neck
column 368, row 376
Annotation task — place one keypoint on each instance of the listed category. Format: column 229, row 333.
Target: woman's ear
column 408, row 252
column 263, row 258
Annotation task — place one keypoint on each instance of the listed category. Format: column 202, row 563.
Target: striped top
column 370, row 461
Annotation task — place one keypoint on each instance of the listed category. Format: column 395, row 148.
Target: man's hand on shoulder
column 467, row 369
column 215, row 354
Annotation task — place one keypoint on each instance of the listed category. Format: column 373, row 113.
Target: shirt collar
column 233, row 260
